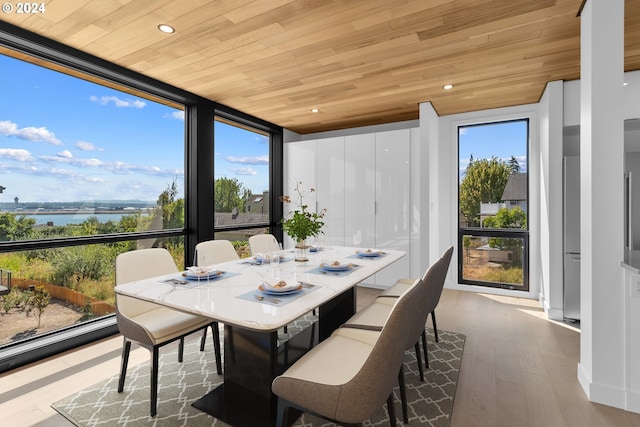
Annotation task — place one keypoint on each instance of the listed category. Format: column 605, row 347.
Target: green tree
column 508, row 218
column 484, row 182
column 514, row 165
column 170, row 209
column 14, row 227
column 230, row 193
column 37, row 301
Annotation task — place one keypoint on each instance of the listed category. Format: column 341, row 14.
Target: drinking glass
column 357, row 238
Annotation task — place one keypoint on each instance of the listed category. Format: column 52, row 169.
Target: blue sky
column 501, row 140
column 65, row 139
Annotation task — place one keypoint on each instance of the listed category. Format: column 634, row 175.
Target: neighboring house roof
column 516, row 188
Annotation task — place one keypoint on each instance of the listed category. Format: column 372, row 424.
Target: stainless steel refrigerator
column 571, row 241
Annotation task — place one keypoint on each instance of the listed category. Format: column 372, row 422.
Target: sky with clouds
column 502, row 140
column 65, row 139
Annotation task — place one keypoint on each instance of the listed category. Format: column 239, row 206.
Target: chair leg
column 403, row 395
column 282, row 413
column 419, row 360
column 392, row 411
column 154, row 381
column 424, row 347
column 203, row 340
column 126, row 347
column 216, row 346
column 181, row 350
column 435, row 328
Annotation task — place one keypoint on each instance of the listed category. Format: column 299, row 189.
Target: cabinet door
column 359, row 184
column 299, row 167
column 330, row 188
column 393, row 201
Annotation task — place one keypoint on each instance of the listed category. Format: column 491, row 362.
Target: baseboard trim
column 598, row 393
column 633, row 401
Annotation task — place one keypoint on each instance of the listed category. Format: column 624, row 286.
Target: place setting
column 279, row 291
column 196, row 276
column 335, row 268
column 368, row 254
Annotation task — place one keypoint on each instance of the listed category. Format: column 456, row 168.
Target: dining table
column 244, row 295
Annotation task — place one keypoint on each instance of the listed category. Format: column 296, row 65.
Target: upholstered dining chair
column 147, row 324
column 207, row 253
column 214, row 252
column 402, row 285
column 375, row 314
column 347, row 378
column 262, row 244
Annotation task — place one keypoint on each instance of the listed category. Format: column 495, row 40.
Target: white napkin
column 276, row 285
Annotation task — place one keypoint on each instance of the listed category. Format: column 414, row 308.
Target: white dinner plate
column 369, row 253
column 331, row 267
column 202, row 274
column 277, row 291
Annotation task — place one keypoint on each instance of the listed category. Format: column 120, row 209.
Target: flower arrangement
column 302, row 223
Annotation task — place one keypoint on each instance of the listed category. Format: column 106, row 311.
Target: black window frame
column 496, row 232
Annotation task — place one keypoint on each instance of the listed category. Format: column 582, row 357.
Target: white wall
column 631, row 105
column 550, row 254
column 601, row 371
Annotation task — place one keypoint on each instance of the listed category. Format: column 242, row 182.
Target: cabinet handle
column 375, row 208
column 576, row 259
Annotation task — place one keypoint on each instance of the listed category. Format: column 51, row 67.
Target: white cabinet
column 364, row 183
column 330, row 188
column 360, row 184
column 299, row 160
column 393, row 226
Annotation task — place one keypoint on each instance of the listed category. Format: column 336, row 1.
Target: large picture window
column 241, row 183
column 493, row 198
column 79, row 160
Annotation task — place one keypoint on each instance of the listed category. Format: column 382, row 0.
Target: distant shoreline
column 79, row 212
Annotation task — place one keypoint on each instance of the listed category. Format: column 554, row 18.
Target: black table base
column 252, row 359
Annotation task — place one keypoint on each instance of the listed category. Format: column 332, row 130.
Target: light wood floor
column 518, row 370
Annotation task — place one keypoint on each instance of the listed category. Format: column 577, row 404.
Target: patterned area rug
column 180, row 384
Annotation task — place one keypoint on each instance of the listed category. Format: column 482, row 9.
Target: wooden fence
column 99, row 308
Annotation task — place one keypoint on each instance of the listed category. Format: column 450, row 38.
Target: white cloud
column 16, row 154
column 30, row 133
column 63, row 173
column 72, row 161
column 120, row 103
column 66, row 154
column 249, row 160
column 244, row 171
column 178, row 115
column 87, row 146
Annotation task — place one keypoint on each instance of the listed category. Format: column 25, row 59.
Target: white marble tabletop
column 230, row 299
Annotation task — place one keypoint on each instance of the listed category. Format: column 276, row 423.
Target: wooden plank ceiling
column 360, row 62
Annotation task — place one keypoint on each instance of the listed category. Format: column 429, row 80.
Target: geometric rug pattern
column 180, row 384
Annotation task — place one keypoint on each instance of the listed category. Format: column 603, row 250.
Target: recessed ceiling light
column 314, row 110
column 447, row 86
column 625, row 84
column 166, row 28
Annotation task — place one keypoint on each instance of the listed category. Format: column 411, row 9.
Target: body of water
column 75, row 218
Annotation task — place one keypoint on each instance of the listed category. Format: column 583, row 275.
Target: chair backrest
column 262, row 244
column 214, row 252
column 142, row 264
column 367, row 391
column 138, row 265
column 435, row 278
